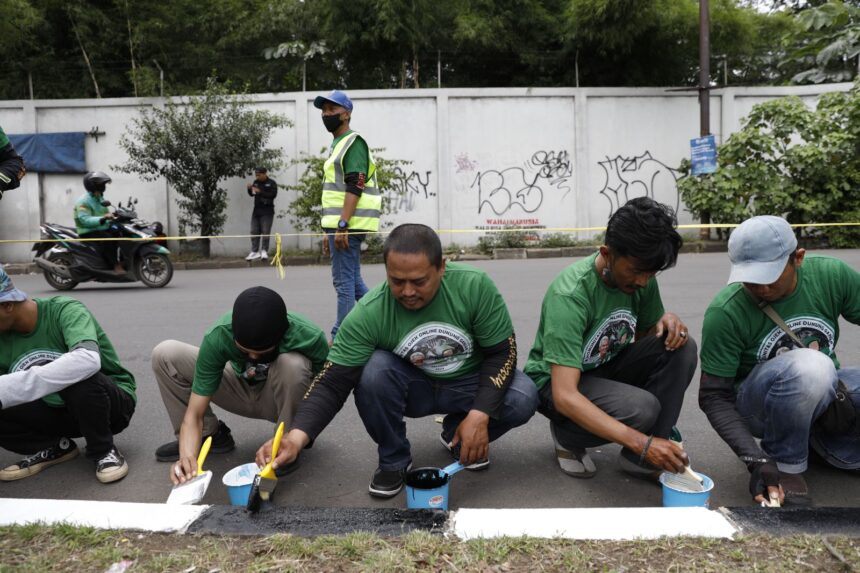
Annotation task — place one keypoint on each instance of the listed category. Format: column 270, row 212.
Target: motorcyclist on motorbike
column 93, row 220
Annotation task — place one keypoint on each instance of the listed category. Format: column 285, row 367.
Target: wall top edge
column 453, row 93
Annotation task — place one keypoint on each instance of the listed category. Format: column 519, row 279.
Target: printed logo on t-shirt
column 436, row 347
column 812, row 331
column 34, row 358
column 610, row 338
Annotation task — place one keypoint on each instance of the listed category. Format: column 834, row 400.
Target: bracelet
column 645, row 450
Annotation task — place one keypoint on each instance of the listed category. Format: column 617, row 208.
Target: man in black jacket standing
column 12, row 168
column 264, row 190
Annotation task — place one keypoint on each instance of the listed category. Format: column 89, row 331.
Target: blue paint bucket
column 427, row 488
column 239, row 481
column 674, row 497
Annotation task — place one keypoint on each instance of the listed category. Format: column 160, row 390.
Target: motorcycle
column 66, row 262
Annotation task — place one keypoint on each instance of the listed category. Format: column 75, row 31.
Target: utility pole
column 160, row 78
column 704, row 88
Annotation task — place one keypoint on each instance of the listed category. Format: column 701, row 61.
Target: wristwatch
column 342, row 225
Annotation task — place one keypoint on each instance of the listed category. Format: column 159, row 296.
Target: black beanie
column 259, row 318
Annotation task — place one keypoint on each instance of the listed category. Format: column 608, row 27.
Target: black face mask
column 332, row 122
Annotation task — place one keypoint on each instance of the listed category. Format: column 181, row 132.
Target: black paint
column 232, row 520
column 426, row 478
column 795, row 521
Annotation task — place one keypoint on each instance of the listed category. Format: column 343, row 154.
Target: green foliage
column 198, row 143
column 828, row 43
column 304, row 210
column 787, row 160
column 512, row 239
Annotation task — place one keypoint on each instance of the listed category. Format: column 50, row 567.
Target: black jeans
column 261, row 224
column 108, row 249
column 643, row 387
column 95, row 409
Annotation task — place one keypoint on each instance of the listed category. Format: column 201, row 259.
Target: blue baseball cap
column 8, row 292
column 336, row 97
column 759, row 249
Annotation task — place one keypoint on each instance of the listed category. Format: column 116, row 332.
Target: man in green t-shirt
column 11, row 165
column 256, row 361
column 610, row 364
column 60, row 378
column 758, row 382
column 435, row 338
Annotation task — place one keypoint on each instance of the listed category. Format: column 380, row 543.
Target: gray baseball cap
column 8, row 292
column 759, row 249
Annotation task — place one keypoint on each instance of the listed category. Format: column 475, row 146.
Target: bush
column 787, row 160
column 304, row 210
column 503, row 240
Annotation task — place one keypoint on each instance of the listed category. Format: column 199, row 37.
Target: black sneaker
column 796, row 490
column 63, row 451
column 387, row 483
column 282, row 471
column 111, row 467
column 222, row 442
column 455, row 453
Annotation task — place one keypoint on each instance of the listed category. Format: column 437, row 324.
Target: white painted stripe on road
column 608, row 523
column 100, row 514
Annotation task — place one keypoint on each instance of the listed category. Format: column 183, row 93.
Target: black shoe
column 282, row 471
column 796, row 490
column 455, row 453
column 222, row 442
column 387, row 483
column 62, row 451
column 111, row 467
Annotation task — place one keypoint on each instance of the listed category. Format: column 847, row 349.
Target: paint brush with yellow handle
column 194, row 489
column 266, row 480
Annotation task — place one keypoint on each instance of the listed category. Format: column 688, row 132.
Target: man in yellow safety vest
column 351, row 201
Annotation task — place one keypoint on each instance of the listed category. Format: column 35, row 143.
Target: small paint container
column 239, row 481
column 674, row 497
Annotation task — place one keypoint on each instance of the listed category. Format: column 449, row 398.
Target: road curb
column 610, row 523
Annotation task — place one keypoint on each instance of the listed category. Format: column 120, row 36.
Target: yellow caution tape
column 440, row 231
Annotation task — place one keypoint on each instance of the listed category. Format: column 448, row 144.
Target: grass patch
column 40, row 548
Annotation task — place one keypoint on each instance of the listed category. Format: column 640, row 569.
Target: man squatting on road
column 60, row 378
column 435, row 338
column 598, row 383
column 757, row 382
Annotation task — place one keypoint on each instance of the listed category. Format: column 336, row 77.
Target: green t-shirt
column 4, row 139
column 737, row 335
column 356, row 159
column 584, row 323
column 62, row 323
column 219, row 348
column 444, row 338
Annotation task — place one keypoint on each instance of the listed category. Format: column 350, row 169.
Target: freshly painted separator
column 155, row 517
column 598, row 523
column 609, row 523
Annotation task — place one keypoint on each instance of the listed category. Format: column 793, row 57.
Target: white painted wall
column 481, row 158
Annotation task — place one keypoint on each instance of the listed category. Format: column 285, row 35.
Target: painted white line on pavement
column 100, row 514
column 609, row 523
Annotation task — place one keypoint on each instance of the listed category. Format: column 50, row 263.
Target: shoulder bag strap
column 774, row 316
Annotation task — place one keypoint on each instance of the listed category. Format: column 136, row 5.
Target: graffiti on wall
column 407, row 188
column 638, row 176
column 501, row 191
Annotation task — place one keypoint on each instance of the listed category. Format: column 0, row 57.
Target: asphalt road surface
column 337, row 470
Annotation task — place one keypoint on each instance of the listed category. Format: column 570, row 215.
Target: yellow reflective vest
column 369, row 207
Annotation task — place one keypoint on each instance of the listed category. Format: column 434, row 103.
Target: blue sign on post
column 703, row 155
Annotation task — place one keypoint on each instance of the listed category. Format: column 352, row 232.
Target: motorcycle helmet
column 95, row 181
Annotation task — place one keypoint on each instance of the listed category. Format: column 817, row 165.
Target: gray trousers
column 276, row 399
column 261, row 224
column 643, row 387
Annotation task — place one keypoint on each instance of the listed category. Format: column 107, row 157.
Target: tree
column 828, row 45
column 195, row 145
column 787, row 160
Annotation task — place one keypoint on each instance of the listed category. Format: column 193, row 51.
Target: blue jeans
column 780, row 400
column 346, row 275
column 391, row 388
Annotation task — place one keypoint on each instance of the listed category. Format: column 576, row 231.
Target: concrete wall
column 481, row 158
